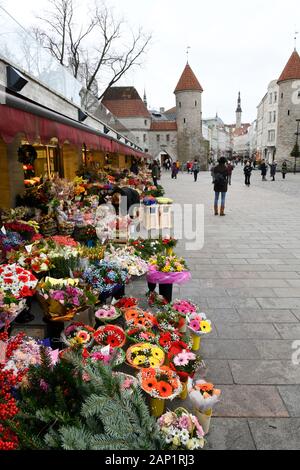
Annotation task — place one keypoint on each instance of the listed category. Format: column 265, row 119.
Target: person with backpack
column 196, row 169
column 220, row 173
column 247, row 172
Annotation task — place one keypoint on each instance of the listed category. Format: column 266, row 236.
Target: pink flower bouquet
column 198, row 324
column 184, row 307
column 107, row 313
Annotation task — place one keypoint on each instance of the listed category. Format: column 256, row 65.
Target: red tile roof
column 125, row 102
column 188, row 81
column 171, row 111
column 292, row 68
column 163, row 126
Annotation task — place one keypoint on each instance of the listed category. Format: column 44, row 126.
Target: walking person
column 155, row 171
column 196, row 169
column 264, row 170
column 230, row 169
column 248, row 171
column 273, row 167
column 284, row 169
column 220, row 173
column 175, row 171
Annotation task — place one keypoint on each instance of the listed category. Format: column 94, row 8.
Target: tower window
column 179, row 104
column 146, row 122
column 168, row 137
column 184, row 120
column 271, row 96
column 289, row 112
column 274, row 116
column 145, row 137
column 196, row 104
column 281, row 95
column 275, row 97
column 157, row 138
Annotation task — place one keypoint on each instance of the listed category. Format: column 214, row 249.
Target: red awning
column 39, row 129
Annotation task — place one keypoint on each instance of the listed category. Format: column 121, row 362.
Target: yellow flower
column 205, row 327
column 166, row 269
column 176, row 441
column 154, row 362
column 179, row 268
column 157, row 353
column 138, row 361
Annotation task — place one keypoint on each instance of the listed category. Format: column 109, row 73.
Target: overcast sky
column 235, row 46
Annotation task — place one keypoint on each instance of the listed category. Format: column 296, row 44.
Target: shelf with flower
column 181, row 430
column 135, row 317
column 107, row 313
column 145, row 355
column 140, row 335
column 198, row 325
column 204, row 396
column 185, row 364
column 162, row 384
column 78, row 335
column 110, row 335
column 166, row 271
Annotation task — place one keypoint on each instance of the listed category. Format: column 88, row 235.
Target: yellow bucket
column 157, row 407
column 196, row 343
column 184, row 393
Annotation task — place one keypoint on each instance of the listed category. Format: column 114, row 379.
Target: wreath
column 27, row 154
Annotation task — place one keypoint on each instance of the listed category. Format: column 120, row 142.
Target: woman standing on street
column 196, row 169
column 247, row 171
column 264, row 170
column 175, row 171
column 273, row 167
column 155, row 173
column 284, row 169
column 220, row 173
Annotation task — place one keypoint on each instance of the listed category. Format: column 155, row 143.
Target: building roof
column 188, row 81
column 171, row 111
column 125, row 102
column 163, row 126
column 292, row 68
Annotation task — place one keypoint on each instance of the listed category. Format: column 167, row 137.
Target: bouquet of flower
column 169, row 319
column 10, row 307
column 168, row 264
column 161, row 382
column 128, row 382
column 83, row 234
column 145, row 355
column 111, row 335
column 17, row 281
column 34, row 260
column 92, row 254
column 203, row 395
column 146, row 248
column 156, row 300
column 167, row 338
column 25, row 355
column 126, row 258
column 135, row 317
column 70, row 297
column 107, row 313
column 126, row 303
column 169, row 242
column 64, row 241
column 105, row 276
column 23, row 228
column 107, row 355
column 185, row 363
column 78, row 335
column 198, row 324
column 10, row 241
column 181, row 430
column 140, row 335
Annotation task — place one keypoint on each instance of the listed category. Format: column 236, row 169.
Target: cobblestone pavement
column 247, row 279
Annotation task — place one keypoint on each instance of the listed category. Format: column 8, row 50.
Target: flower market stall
column 135, row 356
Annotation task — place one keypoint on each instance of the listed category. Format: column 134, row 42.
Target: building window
column 282, row 96
column 145, row 138
column 146, row 122
column 196, row 104
column 270, row 98
column 274, row 116
column 270, row 117
column 157, row 138
column 179, row 104
column 137, row 139
column 184, row 120
column 275, row 97
column 271, row 136
column 289, row 112
column 168, row 137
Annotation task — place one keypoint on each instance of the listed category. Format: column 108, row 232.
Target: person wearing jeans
column 220, row 175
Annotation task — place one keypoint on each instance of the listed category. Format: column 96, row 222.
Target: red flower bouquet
column 17, row 281
column 126, row 303
column 111, row 335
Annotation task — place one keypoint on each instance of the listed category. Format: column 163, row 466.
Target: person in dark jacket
column 264, row 170
column 273, row 170
column 155, row 171
column 134, row 168
column 220, row 174
column 248, row 171
column 132, row 198
column 196, row 169
column 175, row 171
column 230, row 168
column 284, row 169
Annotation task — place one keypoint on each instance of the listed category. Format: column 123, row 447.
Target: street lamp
column 296, row 152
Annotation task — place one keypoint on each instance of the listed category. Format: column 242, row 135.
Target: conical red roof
column 292, row 68
column 188, row 81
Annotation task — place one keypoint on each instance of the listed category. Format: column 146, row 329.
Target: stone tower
column 239, row 113
column 188, row 94
column 288, row 109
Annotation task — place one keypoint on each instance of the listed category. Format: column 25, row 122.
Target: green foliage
column 296, row 151
column 61, row 411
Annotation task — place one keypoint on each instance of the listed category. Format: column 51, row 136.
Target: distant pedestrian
column 175, row 171
column 196, row 169
column 273, row 168
column 220, row 173
column 264, row 170
column 284, row 169
column 155, row 171
column 230, row 169
column 248, row 171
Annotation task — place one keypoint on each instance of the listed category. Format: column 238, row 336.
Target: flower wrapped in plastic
column 198, row 324
column 125, row 303
column 17, row 281
column 110, row 335
column 78, row 335
column 184, row 307
column 106, row 355
column 10, row 307
column 135, row 317
column 185, row 363
column 105, row 276
column 168, row 270
column 128, row 383
column 127, row 259
column 107, row 313
column 161, row 382
column 140, row 335
column 181, row 430
column 203, row 395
